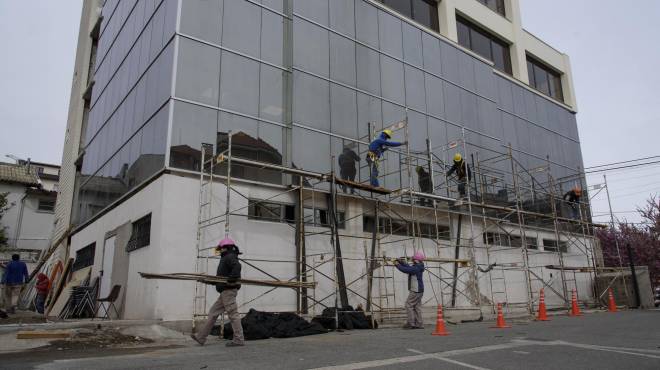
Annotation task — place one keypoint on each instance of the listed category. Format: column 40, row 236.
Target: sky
column 614, row 55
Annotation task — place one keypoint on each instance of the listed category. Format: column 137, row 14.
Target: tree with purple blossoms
column 644, row 240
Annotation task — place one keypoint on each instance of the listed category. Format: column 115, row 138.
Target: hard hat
column 226, row 242
column 419, row 168
column 419, row 256
column 458, row 157
column 388, row 133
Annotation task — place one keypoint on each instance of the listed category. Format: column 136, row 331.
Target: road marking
column 521, row 352
column 427, row 356
column 415, row 351
column 442, row 358
column 377, row 363
column 606, row 349
column 437, row 357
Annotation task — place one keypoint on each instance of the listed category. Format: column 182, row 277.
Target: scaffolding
column 512, row 203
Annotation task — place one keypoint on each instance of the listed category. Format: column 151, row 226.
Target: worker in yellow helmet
column 463, row 173
column 572, row 199
column 376, row 150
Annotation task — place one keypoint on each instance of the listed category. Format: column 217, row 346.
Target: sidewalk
column 86, row 333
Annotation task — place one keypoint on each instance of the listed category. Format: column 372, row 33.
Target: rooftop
column 18, row 174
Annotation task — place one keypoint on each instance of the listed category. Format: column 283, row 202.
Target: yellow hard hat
column 388, row 132
column 458, row 157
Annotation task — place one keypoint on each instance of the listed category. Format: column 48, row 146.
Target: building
column 294, row 83
column 31, row 192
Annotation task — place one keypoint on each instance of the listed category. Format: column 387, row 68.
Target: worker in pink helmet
column 229, row 268
column 415, row 273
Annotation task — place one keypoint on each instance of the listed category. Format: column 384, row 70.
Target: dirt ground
column 98, row 338
column 22, row 317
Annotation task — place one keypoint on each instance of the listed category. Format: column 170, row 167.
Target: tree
column 644, row 240
column 4, row 206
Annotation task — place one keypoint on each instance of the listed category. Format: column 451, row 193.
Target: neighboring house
column 31, row 194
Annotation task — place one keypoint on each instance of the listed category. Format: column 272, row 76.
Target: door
column 106, row 271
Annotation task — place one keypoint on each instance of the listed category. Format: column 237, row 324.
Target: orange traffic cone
column 575, row 309
column 440, row 324
column 500, row 319
column 543, row 315
column 612, row 305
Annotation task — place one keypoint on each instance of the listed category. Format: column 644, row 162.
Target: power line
column 617, row 180
column 623, row 167
column 615, row 163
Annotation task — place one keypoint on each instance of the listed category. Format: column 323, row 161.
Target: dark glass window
column 495, row 5
column 483, row 43
column 270, row 211
column 422, row 11
column 544, row 79
column 404, row 228
column 532, row 243
column 141, row 234
column 321, row 218
column 550, row 245
column 46, row 205
column 84, row 257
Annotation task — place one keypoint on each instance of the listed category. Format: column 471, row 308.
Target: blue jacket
column 379, row 145
column 415, row 275
column 15, row 273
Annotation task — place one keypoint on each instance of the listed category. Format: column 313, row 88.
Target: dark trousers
column 373, row 172
column 462, row 184
column 348, row 175
column 39, row 302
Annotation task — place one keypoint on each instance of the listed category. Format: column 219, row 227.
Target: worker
column 425, row 185
column 572, row 199
column 16, row 274
column 42, row 287
column 347, row 169
column 376, row 150
column 463, row 173
column 229, row 268
column 415, row 288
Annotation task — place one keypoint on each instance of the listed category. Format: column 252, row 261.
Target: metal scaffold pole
column 472, row 254
column 521, row 223
column 616, row 238
column 228, row 183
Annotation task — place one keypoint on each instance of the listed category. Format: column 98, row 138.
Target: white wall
column 142, row 296
column 173, row 201
column 35, row 227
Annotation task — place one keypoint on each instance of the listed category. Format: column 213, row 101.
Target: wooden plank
column 209, row 279
column 361, row 186
column 43, row 334
column 462, row 262
column 581, row 269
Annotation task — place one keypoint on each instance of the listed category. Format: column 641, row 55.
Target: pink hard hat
column 419, row 256
column 225, row 243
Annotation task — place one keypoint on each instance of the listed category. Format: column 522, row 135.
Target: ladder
column 204, row 214
column 498, row 290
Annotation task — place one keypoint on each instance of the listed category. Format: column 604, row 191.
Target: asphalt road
column 624, row 340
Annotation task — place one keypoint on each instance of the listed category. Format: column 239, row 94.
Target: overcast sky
column 613, row 48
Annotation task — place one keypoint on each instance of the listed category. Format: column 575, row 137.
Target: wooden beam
column 43, row 334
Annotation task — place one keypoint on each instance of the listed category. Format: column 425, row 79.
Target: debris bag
column 263, row 325
column 348, row 319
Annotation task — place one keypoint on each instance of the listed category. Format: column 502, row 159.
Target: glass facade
column 297, row 82
column 126, row 128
